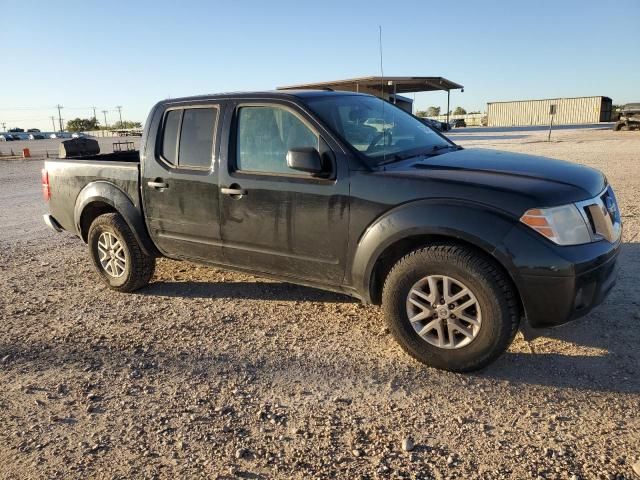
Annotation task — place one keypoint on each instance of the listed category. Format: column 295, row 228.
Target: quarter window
column 265, row 134
column 170, row 136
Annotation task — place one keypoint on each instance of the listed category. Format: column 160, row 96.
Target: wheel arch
column 422, row 223
column 98, row 198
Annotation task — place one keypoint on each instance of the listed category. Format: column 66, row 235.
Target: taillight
column 46, row 190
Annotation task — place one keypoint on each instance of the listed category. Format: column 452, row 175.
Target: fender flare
column 106, row 192
column 480, row 225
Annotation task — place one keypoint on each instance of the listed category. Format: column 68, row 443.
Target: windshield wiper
column 396, row 157
column 429, row 153
column 442, row 147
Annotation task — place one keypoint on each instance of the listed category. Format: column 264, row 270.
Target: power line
column 119, row 107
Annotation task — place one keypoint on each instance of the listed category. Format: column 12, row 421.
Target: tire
column 495, row 311
column 130, row 268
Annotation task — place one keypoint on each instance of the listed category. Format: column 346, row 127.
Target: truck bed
column 67, row 178
column 132, row 156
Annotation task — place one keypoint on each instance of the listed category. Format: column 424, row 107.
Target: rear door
column 274, row 219
column 180, row 182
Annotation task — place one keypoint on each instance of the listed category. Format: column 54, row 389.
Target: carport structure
column 389, row 88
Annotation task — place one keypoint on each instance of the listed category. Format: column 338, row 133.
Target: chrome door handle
column 158, row 185
column 233, row 191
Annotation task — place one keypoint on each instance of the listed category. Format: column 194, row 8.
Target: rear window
column 196, row 138
column 188, row 136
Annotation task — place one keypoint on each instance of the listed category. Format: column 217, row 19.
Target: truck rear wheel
column 450, row 308
column 116, row 255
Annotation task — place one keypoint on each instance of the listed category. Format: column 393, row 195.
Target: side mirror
column 306, row 159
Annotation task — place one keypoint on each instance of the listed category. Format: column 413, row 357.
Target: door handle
column 158, row 185
column 233, row 190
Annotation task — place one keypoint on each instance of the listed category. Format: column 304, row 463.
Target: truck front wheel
column 450, row 308
column 116, row 255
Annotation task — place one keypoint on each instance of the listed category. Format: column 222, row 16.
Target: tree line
column 90, row 124
column 436, row 111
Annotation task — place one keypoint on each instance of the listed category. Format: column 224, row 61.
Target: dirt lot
column 209, row 374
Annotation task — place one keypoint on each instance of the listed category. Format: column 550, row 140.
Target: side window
column 196, row 137
column 265, row 134
column 170, row 136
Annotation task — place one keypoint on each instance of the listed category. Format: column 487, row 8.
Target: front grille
column 603, row 216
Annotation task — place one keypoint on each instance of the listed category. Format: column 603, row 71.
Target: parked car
column 36, row 136
column 60, row 135
column 33, row 130
column 629, row 117
column 20, row 136
column 78, row 135
column 458, row 123
column 6, row 137
column 458, row 245
column 440, row 126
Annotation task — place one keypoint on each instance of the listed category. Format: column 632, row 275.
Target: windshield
column 377, row 129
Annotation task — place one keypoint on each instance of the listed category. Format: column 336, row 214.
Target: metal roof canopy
column 386, row 84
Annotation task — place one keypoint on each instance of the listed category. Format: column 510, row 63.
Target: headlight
column 562, row 225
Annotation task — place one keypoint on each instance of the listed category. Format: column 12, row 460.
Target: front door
column 180, row 184
column 274, row 219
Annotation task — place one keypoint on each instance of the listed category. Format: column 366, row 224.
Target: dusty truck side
column 348, row 193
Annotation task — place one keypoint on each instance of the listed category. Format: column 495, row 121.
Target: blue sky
column 133, row 53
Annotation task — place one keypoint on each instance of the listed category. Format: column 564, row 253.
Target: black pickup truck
column 312, row 187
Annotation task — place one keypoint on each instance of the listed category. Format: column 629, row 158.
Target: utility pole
column 106, row 125
column 94, row 112
column 4, row 127
column 119, row 107
column 53, row 122
column 59, row 107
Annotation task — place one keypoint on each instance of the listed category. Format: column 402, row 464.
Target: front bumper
column 560, row 284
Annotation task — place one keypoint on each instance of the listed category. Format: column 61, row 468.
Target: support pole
column 448, row 101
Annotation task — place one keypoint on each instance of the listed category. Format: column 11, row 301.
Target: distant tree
column 126, row 124
column 474, row 112
column 421, row 113
column 459, row 111
column 82, row 124
column 433, row 111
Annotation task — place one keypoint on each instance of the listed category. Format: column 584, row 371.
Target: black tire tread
column 470, row 260
column 142, row 265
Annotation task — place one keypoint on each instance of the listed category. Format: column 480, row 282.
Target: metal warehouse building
column 578, row 110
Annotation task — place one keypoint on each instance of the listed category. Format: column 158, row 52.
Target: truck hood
column 545, row 181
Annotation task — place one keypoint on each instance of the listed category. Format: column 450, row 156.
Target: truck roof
column 262, row 94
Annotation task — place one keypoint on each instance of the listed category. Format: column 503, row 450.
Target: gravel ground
column 210, row 374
